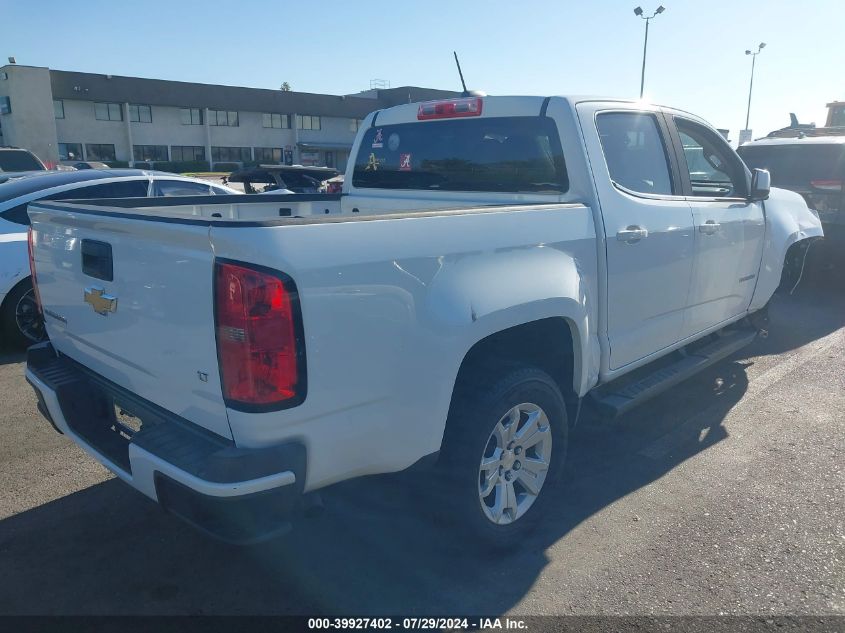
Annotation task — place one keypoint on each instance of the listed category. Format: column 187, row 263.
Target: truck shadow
column 378, row 548
column 9, row 355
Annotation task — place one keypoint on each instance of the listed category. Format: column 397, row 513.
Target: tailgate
column 132, row 300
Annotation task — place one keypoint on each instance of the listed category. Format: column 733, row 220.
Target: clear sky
column 696, row 57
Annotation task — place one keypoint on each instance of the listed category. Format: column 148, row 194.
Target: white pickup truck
column 492, row 263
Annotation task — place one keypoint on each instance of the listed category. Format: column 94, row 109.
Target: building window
column 59, row 108
column 140, row 114
column 187, row 152
column 108, row 112
column 223, row 118
column 307, row 122
column 70, row 151
column 268, row 154
column 230, row 154
column 149, row 152
column 99, row 151
column 191, row 116
column 281, row 121
column 354, row 124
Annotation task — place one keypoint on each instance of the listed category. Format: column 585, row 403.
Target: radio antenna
column 463, row 83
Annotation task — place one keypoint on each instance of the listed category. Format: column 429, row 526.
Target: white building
column 66, row 116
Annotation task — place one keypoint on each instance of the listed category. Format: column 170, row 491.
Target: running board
column 615, row 403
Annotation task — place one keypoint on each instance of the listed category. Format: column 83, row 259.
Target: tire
column 22, row 324
column 495, row 502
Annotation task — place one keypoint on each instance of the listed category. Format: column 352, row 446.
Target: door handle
column 632, row 234
column 710, row 227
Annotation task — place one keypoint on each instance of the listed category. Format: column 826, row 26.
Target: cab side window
column 635, row 152
column 714, row 170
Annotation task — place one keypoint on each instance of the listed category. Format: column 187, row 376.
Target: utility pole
column 751, row 83
column 639, row 13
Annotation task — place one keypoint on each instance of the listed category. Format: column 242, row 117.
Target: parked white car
column 493, row 264
column 19, row 319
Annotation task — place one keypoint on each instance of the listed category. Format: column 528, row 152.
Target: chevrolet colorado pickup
column 492, row 263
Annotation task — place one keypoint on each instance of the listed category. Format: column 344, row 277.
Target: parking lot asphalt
column 725, row 495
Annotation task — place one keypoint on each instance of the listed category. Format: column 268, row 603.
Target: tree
column 286, row 87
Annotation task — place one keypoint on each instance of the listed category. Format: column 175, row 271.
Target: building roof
column 116, row 88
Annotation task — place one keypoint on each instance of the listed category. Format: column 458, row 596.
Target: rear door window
column 119, row 189
column 181, row 188
column 501, row 154
column 635, row 152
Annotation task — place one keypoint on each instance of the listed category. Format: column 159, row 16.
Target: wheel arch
column 551, row 344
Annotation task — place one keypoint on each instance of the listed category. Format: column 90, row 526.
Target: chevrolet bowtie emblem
column 100, row 301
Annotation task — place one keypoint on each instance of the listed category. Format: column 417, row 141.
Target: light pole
column 751, row 83
column 639, row 13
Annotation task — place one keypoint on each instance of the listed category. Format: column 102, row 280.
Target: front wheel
column 504, row 453
column 22, row 322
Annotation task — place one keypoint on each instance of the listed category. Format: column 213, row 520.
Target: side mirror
column 761, row 183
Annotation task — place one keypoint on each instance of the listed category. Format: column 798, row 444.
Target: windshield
column 512, row 154
column 19, row 160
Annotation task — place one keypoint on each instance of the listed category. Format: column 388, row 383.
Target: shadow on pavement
column 378, row 548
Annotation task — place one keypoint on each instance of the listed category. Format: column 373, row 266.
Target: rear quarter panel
column 390, row 308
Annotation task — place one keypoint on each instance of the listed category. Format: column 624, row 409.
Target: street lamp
column 639, row 13
column 751, row 84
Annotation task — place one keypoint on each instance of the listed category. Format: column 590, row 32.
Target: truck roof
column 571, row 100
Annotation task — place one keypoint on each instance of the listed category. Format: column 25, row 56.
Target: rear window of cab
column 497, row 154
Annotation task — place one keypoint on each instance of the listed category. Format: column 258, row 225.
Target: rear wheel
column 22, row 322
column 504, row 454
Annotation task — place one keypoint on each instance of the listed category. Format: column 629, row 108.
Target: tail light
column 827, row 185
column 29, row 238
column 450, row 108
column 260, row 343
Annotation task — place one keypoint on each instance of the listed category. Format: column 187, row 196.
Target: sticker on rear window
column 372, row 163
column 393, row 142
column 378, row 141
column 404, row 162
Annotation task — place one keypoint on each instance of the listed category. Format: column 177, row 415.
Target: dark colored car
column 15, row 159
column 282, row 178
column 813, row 166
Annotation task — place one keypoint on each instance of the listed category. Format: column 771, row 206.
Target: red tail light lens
column 30, row 237
column 827, row 185
column 450, row 109
column 260, row 345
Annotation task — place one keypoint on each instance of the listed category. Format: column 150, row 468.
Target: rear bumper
column 238, row 495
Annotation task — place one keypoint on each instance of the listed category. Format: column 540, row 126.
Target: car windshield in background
column 512, row 154
column 19, row 160
column 793, row 165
